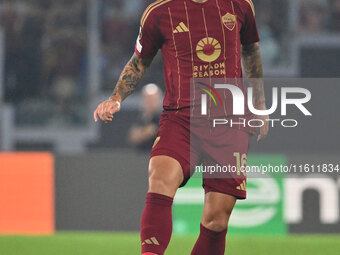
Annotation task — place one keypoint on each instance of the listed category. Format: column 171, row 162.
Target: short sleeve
column 249, row 33
column 149, row 40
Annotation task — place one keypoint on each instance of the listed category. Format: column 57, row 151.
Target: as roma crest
column 229, row 20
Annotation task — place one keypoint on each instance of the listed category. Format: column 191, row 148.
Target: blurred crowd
column 277, row 31
column 319, row 16
column 46, row 46
column 45, row 55
column 119, row 30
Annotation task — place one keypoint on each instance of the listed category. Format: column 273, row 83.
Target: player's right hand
column 106, row 110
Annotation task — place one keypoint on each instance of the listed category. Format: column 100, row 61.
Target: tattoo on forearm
column 252, row 62
column 130, row 77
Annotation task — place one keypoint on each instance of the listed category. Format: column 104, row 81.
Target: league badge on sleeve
column 140, row 34
column 139, row 46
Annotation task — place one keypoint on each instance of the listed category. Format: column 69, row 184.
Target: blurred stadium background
column 59, row 171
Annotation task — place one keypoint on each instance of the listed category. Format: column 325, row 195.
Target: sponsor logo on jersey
column 209, row 70
column 181, row 28
column 229, row 21
column 208, row 49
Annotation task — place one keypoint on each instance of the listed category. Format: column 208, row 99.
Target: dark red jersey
column 198, row 40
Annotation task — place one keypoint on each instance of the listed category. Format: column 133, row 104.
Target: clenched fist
column 106, row 110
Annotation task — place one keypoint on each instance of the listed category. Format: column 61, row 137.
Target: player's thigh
column 169, row 165
column 217, row 210
column 165, row 175
column 227, row 154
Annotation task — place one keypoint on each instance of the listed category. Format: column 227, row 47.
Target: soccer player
column 198, row 39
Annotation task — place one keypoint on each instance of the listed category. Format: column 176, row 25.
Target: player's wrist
column 115, row 99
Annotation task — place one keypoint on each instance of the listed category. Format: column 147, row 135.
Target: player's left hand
column 265, row 128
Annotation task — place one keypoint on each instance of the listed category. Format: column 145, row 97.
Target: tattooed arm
column 130, row 77
column 126, row 85
column 252, row 63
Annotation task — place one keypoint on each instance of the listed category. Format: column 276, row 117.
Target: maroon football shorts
column 218, row 153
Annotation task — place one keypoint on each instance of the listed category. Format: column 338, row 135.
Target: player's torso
column 203, row 38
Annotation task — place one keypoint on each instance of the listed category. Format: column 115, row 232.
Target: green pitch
column 88, row 243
